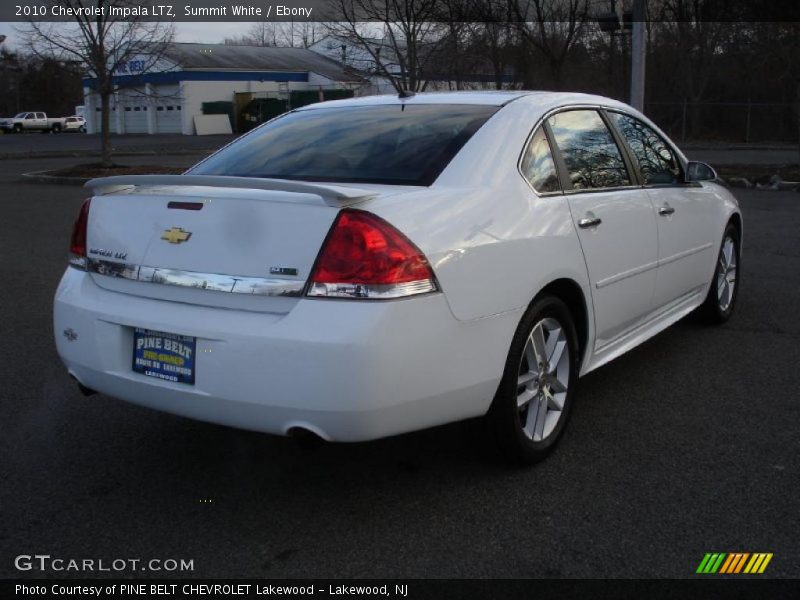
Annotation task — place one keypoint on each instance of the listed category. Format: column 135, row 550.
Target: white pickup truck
column 32, row 121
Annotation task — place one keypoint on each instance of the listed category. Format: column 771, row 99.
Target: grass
column 759, row 173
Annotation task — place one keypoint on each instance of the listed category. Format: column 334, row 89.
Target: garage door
column 168, row 117
column 135, row 118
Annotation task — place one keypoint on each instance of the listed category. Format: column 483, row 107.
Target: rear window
column 393, row 144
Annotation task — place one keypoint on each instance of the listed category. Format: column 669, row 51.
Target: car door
column 684, row 212
column 614, row 219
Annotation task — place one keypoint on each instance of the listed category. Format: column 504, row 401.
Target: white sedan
column 362, row 268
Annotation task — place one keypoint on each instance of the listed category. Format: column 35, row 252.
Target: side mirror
column 699, row 171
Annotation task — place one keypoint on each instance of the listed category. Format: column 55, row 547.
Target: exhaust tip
column 305, row 438
column 86, row 391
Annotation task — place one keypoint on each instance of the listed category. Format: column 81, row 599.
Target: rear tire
column 533, row 400
column 721, row 299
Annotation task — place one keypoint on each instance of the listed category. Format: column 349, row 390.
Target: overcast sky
column 184, row 32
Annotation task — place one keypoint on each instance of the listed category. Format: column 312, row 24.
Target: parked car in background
column 32, row 121
column 75, row 123
column 362, row 268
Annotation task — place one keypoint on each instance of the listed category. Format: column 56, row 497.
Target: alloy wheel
column 543, row 379
column 726, row 274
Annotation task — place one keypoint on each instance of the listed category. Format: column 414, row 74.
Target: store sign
column 131, row 67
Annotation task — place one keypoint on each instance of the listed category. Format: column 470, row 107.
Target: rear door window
column 591, row 154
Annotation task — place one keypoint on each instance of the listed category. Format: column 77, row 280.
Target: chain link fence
column 748, row 122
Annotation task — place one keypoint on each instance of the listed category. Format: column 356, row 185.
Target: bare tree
column 552, row 28
column 410, row 36
column 281, row 34
column 11, row 69
column 103, row 43
column 681, row 25
column 781, row 42
column 302, row 34
column 494, row 34
column 260, row 33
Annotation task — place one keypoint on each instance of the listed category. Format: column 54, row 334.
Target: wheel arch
column 736, row 220
column 570, row 293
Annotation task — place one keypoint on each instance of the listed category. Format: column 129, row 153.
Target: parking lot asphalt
column 688, row 444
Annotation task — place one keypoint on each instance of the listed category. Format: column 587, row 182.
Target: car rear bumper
column 346, row 370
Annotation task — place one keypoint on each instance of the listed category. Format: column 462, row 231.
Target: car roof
column 485, row 97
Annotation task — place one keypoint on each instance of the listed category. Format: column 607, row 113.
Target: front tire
column 721, row 299
column 534, row 397
column 17, row 128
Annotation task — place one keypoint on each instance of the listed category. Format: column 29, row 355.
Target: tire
column 521, row 436
column 17, row 128
column 82, row 129
column 56, row 128
column 724, row 289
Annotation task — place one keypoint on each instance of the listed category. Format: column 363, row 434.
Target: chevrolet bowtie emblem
column 176, row 235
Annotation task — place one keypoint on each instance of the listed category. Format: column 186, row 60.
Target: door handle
column 588, row 222
column 665, row 211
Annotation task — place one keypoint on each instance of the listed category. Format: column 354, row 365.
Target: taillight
column 365, row 257
column 77, row 243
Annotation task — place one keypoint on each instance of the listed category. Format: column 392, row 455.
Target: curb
column 738, row 147
column 42, row 177
column 778, row 186
column 92, row 154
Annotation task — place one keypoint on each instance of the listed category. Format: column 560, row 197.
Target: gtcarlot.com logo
column 734, row 563
column 45, row 562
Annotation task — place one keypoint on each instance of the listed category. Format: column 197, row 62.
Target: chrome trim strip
column 388, row 291
column 258, row 286
column 684, row 254
column 625, row 274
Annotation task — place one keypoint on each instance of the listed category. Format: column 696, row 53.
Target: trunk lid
column 216, row 241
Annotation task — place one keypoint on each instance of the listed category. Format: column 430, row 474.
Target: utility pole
column 638, row 54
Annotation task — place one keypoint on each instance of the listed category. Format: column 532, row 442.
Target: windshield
column 390, row 144
column 21, row 116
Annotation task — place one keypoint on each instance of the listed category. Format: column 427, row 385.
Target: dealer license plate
column 167, row 356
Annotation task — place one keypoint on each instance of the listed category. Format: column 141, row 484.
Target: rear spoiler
column 332, row 195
